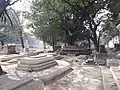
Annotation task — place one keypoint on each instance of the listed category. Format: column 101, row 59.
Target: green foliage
column 75, row 17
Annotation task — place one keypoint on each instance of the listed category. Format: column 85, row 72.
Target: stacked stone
column 31, row 64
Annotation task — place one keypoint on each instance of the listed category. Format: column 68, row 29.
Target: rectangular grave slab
column 112, row 62
column 24, row 84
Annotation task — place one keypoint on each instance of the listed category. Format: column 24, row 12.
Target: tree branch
column 13, row 2
column 8, row 17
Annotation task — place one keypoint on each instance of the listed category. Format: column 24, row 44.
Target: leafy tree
column 78, row 17
column 45, row 28
column 3, row 17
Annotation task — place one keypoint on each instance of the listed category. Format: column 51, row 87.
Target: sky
column 22, row 5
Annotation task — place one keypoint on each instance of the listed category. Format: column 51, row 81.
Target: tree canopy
column 76, row 18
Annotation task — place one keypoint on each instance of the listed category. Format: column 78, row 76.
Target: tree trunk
column 21, row 38
column 44, row 46
column 89, row 44
column 53, row 42
column 2, row 43
column 96, row 43
column 65, row 37
column 1, row 71
column 71, row 40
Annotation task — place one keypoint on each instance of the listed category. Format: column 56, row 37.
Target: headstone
column 102, row 49
column 117, row 47
column 57, row 48
column 112, row 54
column 11, row 49
column 100, row 58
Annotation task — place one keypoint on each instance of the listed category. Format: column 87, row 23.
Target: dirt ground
column 83, row 77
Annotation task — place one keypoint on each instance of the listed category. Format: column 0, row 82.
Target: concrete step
column 58, row 57
column 51, row 76
column 38, row 56
column 108, row 80
column 37, row 68
column 116, row 75
column 36, row 60
column 37, row 65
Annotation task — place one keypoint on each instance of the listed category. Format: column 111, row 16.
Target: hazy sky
column 22, row 5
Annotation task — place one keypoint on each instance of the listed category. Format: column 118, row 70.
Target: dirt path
column 85, row 77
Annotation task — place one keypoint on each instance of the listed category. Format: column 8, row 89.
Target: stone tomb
column 31, row 64
column 76, row 50
column 112, row 62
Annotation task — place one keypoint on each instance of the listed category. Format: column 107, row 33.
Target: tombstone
column 102, row 49
column 100, row 58
column 112, row 54
column 117, row 47
column 10, row 49
column 57, row 48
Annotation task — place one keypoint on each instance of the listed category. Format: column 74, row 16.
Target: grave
column 101, row 56
column 7, row 83
column 75, row 50
column 58, row 57
column 112, row 62
column 9, row 49
column 31, row 64
column 117, row 47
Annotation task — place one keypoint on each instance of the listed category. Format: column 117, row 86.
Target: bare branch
column 8, row 17
column 13, row 2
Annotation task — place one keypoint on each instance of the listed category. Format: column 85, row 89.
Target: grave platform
column 7, row 83
column 36, row 64
column 75, row 50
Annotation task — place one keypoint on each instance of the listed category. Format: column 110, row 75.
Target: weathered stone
column 58, row 57
column 51, row 76
column 100, row 58
column 38, row 56
column 33, row 61
column 36, row 64
column 112, row 54
column 117, row 47
column 75, row 50
column 102, row 49
column 10, row 49
column 29, row 69
column 82, row 57
column 112, row 62
column 22, row 84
